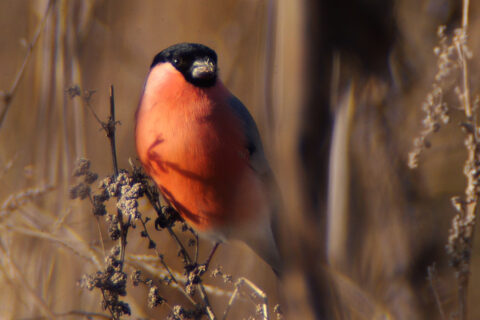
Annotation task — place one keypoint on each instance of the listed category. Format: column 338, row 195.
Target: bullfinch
column 202, row 148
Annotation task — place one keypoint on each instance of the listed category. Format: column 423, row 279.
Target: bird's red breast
column 194, row 147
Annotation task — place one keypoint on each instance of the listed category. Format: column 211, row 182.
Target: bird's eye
column 176, row 61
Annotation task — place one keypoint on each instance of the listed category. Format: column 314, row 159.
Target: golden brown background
column 293, row 64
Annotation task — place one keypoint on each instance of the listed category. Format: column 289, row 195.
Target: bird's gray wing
column 257, row 158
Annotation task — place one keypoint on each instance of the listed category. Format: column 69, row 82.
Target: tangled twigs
column 126, row 188
column 257, row 293
column 112, row 282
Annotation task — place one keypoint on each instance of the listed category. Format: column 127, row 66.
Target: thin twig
column 260, row 294
column 188, row 261
column 466, row 86
column 159, row 255
column 431, row 271
column 99, row 228
column 37, row 299
column 208, row 307
column 8, row 96
column 185, row 255
column 468, row 215
column 89, row 106
column 83, row 314
column 210, row 256
column 197, row 246
column 180, row 245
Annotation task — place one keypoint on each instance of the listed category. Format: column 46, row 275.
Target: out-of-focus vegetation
column 327, row 81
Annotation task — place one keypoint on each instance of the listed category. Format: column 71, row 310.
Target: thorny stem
column 164, row 264
column 109, row 307
column 208, row 308
column 89, row 106
column 153, row 202
column 98, row 226
column 197, row 246
column 466, row 86
column 159, row 255
column 188, row 260
column 468, row 218
column 210, row 256
column 123, row 237
column 186, row 257
column 183, row 251
column 8, row 96
column 203, row 294
column 110, row 129
column 471, row 169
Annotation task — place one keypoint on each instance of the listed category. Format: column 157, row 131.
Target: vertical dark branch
column 110, row 127
column 111, row 130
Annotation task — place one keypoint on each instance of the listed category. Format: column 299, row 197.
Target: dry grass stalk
column 9, row 95
column 453, row 55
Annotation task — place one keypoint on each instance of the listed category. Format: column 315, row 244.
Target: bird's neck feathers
column 167, row 82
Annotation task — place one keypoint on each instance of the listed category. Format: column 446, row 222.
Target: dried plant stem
column 39, row 302
column 466, row 4
column 110, row 129
column 197, row 246
column 100, row 235
column 180, row 245
column 8, row 96
column 189, row 260
column 210, row 256
column 431, row 280
column 99, row 228
column 465, row 81
column 184, row 253
column 468, row 210
column 468, row 217
column 258, row 292
column 109, row 307
column 84, row 314
column 123, row 236
column 159, row 255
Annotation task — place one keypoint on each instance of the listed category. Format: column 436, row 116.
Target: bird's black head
column 196, row 62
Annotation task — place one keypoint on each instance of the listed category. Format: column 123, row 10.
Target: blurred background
column 336, row 88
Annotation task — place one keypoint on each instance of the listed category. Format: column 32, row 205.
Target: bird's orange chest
column 193, row 146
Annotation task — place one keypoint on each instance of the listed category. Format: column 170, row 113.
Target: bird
column 202, row 148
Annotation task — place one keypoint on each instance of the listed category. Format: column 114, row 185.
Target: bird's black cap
column 197, row 63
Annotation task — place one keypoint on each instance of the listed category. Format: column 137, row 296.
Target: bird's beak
column 204, row 69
